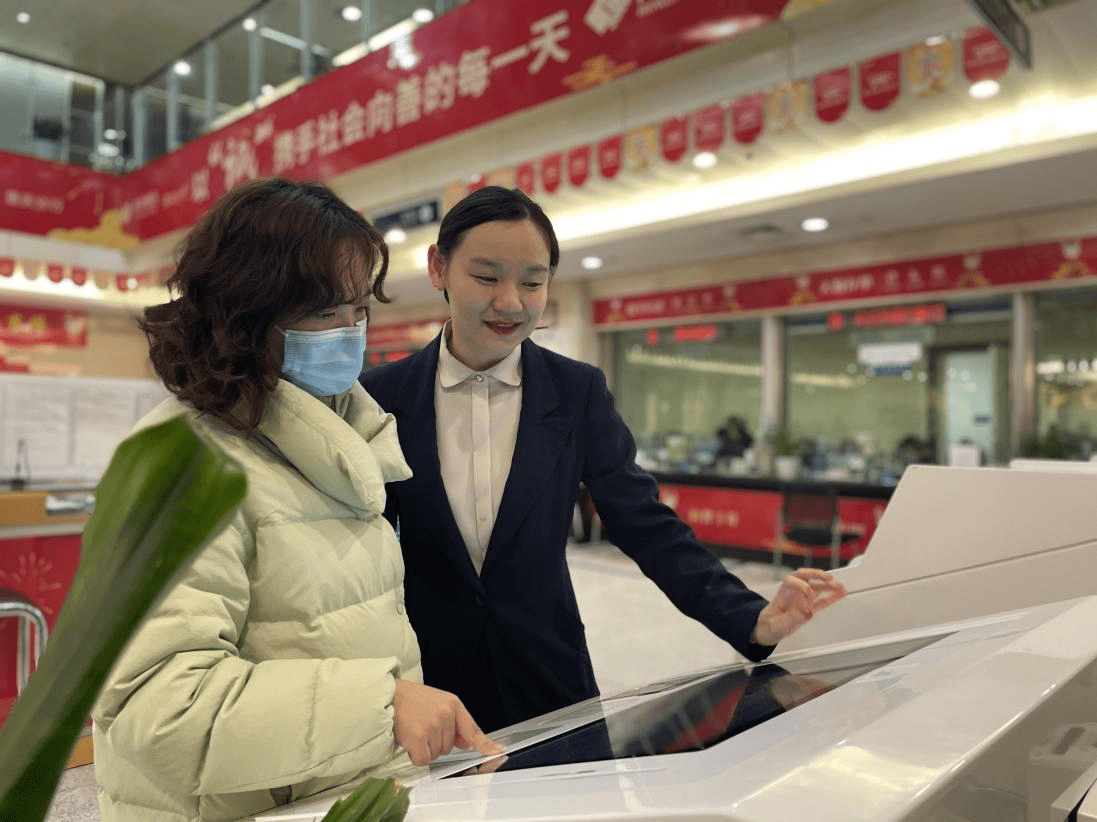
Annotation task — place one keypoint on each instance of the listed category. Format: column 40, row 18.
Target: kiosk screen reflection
column 693, row 713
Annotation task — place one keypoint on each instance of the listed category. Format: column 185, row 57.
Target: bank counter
column 738, row 514
column 957, row 681
column 40, row 533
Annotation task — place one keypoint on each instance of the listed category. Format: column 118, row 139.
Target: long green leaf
column 375, row 800
column 165, row 494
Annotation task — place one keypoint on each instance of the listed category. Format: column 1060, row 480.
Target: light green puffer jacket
column 268, row 672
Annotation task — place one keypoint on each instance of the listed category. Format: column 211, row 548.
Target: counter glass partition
column 1066, row 376
column 691, row 394
column 871, row 391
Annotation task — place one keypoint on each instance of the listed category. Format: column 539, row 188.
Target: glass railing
column 64, row 116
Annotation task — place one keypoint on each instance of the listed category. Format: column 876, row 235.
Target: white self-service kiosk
column 956, row 681
column 955, row 543
column 984, row 720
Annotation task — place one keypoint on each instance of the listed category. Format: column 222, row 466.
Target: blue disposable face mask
column 324, row 363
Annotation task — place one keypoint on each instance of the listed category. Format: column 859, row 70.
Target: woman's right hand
column 428, row 722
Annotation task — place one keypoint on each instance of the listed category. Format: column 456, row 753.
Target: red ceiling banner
column 985, row 58
column 881, row 80
column 578, row 165
column 551, row 172
column 525, row 178
column 833, row 90
column 674, row 138
column 479, row 62
column 1003, row 267
column 609, row 156
column 132, row 282
column 748, row 116
column 710, row 128
column 24, row 326
column 7, row 267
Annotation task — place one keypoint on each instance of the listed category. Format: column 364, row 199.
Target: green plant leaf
column 165, row 494
column 375, row 800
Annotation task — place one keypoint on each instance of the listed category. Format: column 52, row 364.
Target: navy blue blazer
column 521, row 609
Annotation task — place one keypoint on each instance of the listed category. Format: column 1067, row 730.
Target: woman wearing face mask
column 499, row 433
column 283, row 662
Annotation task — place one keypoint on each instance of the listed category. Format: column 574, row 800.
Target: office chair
column 808, row 524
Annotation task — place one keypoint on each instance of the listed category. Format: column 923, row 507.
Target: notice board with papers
column 66, row 428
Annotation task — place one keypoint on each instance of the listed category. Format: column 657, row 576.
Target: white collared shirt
column 477, row 417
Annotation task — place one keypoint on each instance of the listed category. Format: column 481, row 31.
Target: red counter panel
column 747, row 518
column 42, row 568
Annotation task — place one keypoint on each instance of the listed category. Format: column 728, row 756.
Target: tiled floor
column 635, row 636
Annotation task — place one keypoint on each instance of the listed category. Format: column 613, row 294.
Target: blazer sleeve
column 185, row 709
column 662, row 545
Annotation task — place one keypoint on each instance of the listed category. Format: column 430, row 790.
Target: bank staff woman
column 499, row 433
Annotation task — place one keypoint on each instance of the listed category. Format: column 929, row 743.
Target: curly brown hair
column 269, row 251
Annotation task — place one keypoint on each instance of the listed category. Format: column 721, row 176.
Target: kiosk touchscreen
column 985, row 719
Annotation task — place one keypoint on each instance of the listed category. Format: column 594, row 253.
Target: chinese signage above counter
column 1003, row 267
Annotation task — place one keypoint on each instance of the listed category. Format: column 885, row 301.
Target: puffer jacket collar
column 349, row 458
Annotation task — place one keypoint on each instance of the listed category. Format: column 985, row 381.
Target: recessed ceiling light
column 351, row 13
column 815, row 224
column 591, row 263
column 249, row 24
column 704, row 159
column 266, row 89
column 762, row 233
column 395, row 235
column 110, row 134
column 984, row 89
column 939, row 40
column 22, row 17
column 421, row 16
column 182, row 68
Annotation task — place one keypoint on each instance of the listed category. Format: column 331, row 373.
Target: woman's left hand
column 802, row 594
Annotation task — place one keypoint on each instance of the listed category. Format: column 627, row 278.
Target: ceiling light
column 704, row 159
column 815, row 224
column 395, row 235
column 249, row 24
column 267, row 89
column 984, row 89
column 351, row 13
column 110, row 134
column 591, row 263
column 182, row 68
column 405, row 58
column 939, row 40
column 107, row 150
column 421, row 16
column 22, row 17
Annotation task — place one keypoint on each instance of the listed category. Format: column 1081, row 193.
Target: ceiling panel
column 122, row 41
